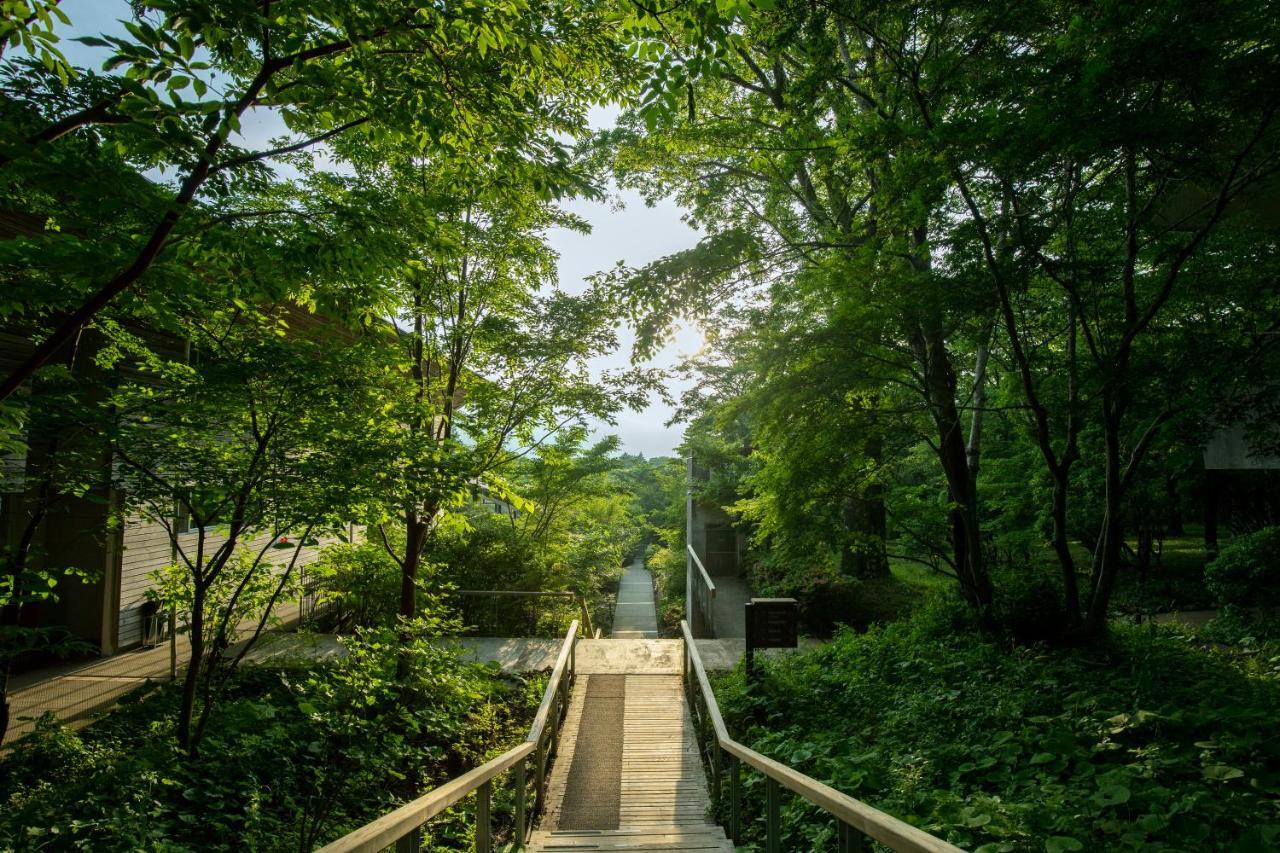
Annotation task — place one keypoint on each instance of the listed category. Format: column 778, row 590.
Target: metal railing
column 583, row 611
column 704, row 597
column 403, row 827
column 857, row 820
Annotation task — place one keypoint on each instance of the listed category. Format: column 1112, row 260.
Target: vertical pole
column 715, row 769
column 689, row 604
column 555, row 716
column 539, row 774
column 521, row 816
column 173, row 643
column 773, row 828
column 851, row 840
column 411, row 843
column 735, row 797
column 484, row 826
column 686, row 674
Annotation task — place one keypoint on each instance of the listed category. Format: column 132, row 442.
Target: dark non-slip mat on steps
column 593, row 791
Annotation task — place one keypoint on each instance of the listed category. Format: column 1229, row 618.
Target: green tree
column 490, row 82
column 246, row 445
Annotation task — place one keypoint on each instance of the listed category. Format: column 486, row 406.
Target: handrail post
column 773, row 828
column 521, row 790
column 715, row 770
column 851, row 841
column 539, row 774
column 711, row 612
column 411, row 843
column 484, row 824
column 735, row 795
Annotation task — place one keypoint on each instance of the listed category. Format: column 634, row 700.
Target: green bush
column 359, row 583
column 1247, row 571
column 293, row 759
column 1147, row 742
column 1029, row 606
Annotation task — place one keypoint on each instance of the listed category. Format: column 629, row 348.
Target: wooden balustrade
column 403, row 827
column 704, row 596
column 857, row 820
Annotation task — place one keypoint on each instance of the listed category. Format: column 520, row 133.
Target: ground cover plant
column 1149, row 741
column 295, row 759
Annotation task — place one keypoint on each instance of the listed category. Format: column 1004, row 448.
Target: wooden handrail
column 397, row 825
column 706, row 578
column 870, row 821
column 563, row 662
column 535, row 593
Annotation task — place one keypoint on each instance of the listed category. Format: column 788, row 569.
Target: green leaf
column 1111, row 795
column 1061, row 844
column 1221, row 772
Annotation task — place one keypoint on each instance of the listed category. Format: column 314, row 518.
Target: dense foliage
column 1247, row 571
column 976, row 274
column 980, row 279
column 1147, row 742
column 295, row 757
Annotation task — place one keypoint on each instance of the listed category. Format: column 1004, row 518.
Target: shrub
column 1029, row 606
column 1145, row 742
column 360, row 583
column 1247, row 571
column 293, row 760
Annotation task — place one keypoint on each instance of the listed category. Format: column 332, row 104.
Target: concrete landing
column 621, row 657
column 630, row 657
column 634, row 616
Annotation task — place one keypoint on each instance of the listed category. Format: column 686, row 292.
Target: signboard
column 771, row 624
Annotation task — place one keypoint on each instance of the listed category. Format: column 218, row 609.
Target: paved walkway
column 79, row 692
column 635, row 617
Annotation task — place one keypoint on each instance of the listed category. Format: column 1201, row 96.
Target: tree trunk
column 864, row 517
column 1062, row 548
column 186, row 711
column 974, row 450
column 1212, row 489
column 415, row 533
column 1107, row 555
column 1174, row 527
column 966, row 538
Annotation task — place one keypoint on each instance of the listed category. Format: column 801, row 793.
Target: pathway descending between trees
column 635, row 617
column 628, row 775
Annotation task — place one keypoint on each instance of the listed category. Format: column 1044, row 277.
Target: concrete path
column 635, row 617
column 79, row 692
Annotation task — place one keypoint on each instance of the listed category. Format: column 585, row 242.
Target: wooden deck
column 664, row 802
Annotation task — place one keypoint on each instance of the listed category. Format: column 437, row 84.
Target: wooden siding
column 146, row 548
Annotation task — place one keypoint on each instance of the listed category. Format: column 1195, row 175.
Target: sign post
column 771, row 624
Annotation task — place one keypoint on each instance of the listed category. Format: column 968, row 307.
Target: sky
column 622, row 229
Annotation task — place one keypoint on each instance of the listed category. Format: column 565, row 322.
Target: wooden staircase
column 662, row 801
column 648, row 838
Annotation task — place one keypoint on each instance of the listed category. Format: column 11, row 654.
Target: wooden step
column 705, row 838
